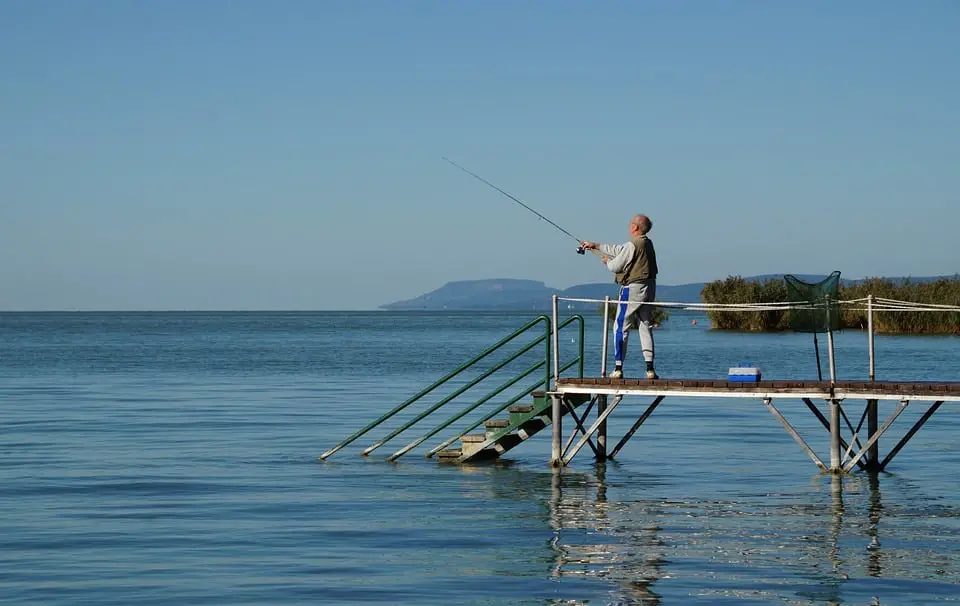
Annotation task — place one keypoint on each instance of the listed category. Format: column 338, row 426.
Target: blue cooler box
column 744, row 374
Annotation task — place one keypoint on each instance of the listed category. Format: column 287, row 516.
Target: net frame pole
column 833, row 362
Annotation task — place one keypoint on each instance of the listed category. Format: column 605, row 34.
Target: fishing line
column 518, row 201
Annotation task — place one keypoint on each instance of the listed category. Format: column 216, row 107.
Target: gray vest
column 643, row 266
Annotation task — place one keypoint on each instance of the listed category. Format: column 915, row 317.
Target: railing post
column 554, row 326
column 548, row 361
column 556, row 447
column 580, row 346
column 606, row 330
column 833, row 363
column 870, row 336
column 602, row 399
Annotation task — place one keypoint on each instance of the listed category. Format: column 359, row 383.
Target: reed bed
column 944, row 291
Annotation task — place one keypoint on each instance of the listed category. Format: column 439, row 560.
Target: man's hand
column 604, row 259
column 588, row 245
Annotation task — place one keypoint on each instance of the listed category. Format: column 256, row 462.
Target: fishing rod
column 580, row 248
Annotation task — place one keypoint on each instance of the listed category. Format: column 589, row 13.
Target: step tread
column 451, row 453
column 524, row 427
column 498, row 423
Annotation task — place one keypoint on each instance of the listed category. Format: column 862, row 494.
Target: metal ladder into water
column 499, row 434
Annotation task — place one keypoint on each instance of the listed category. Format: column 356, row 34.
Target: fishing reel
column 580, row 250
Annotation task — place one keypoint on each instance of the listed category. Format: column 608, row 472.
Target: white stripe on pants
column 635, row 314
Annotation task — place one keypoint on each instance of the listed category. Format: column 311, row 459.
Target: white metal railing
column 870, row 304
column 879, row 304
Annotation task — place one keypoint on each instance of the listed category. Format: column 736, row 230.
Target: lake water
column 171, row 458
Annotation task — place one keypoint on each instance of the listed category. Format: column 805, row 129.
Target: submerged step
column 452, row 453
column 485, row 454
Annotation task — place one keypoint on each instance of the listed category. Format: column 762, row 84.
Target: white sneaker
column 651, row 375
column 617, row 374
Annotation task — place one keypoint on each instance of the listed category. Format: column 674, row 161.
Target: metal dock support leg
column 835, row 464
column 876, row 436
column 873, row 454
column 906, row 438
column 556, row 451
column 592, row 430
column 578, row 421
column 826, row 425
column 636, row 426
column 793, row 433
column 602, row 430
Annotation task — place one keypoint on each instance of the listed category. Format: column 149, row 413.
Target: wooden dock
column 856, row 390
column 575, row 397
column 845, row 454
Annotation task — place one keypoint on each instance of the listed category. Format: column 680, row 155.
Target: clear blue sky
column 287, row 155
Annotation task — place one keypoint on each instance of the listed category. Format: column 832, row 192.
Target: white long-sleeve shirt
column 618, row 255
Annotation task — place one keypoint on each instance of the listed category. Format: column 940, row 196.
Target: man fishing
column 634, row 264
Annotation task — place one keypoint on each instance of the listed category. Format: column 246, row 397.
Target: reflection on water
column 874, row 553
column 593, row 538
column 825, row 545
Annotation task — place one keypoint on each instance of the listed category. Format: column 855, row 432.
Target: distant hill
column 516, row 294
column 504, row 293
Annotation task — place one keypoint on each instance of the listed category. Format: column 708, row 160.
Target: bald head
column 641, row 223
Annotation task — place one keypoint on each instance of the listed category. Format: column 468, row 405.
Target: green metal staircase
column 499, row 434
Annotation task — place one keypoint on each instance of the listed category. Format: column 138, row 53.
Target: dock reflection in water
column 614, row 541
column 825, row 544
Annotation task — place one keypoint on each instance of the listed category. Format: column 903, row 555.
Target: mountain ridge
column 527, row 294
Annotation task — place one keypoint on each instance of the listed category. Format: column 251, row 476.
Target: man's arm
column 610, row 250
column 614, row 256
column 620, row 256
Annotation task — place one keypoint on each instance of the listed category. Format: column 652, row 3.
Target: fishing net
column 824, row 311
